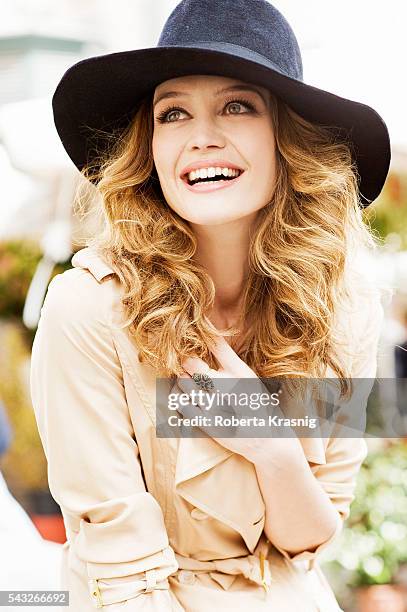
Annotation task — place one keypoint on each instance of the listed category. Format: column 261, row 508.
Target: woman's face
column 204, row 124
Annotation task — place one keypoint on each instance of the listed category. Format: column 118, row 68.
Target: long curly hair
column 304, row 239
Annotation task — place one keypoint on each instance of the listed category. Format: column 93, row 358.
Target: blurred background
column 352, row 48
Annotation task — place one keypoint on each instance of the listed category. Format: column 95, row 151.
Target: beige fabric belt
column 224, row 571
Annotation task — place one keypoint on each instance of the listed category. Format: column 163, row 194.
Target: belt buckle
column 263, row 580
column 96, row 593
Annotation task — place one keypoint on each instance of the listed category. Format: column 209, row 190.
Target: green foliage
column 373, row 544
column 389, row 214
column 24, row 464
column 18, row 261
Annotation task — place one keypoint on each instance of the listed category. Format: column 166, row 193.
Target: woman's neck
column 223, row 252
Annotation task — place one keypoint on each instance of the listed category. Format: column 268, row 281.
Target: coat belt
column 253, row 567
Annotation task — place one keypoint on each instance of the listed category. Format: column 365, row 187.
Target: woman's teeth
column 205, row 173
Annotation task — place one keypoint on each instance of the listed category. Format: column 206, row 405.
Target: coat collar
column 87, row 258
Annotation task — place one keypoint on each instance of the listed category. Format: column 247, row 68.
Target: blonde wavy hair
column 297, row 258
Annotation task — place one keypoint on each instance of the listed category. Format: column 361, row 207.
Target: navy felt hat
column 248, row 40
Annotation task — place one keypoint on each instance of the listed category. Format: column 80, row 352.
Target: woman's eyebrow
column 241, row 88
column 178, row 94
column 169, row 94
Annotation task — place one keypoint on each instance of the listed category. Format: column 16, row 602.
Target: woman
column 261, row 255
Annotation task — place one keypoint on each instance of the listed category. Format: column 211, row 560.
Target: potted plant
column 372, row 549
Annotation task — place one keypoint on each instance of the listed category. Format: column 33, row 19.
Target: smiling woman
column 213, row 131
column 232, row 203
column 292, row 175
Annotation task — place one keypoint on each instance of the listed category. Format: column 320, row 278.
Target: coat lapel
column 213, row 482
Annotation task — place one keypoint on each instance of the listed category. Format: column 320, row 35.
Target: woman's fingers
column 187, row 384
column 205, row 418
column 225, row 354
column 222, row 351
column 231, row 364
column 230, row 361
column 194, row 364
column 232, row 374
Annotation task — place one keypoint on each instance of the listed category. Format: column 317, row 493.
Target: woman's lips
column 206, row 187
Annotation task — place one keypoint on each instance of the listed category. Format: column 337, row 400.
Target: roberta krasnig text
column 253, row 401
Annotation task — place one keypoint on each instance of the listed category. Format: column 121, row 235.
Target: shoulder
column 76, row 327
column 76, row 298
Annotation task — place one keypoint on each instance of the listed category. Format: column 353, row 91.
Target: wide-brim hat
column 248, row 40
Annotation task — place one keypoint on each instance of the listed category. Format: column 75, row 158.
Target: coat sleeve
column 345, row 455
column 121, row 545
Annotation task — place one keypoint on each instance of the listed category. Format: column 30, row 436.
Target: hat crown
column 252, row 24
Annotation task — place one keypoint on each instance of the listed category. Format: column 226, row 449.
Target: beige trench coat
column 155, row 524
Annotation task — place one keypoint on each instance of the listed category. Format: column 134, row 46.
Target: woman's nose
column 206, row 133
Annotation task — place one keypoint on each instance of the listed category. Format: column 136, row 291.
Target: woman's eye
column 163, row 117
column 234, row 107
column 171, row 113
column 236, row 104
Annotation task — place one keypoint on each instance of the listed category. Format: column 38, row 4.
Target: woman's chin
column 206, row 218
column 213, row 208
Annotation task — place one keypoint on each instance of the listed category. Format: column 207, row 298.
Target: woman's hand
column 231, row 367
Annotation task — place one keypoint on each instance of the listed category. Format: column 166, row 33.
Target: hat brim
column 102, row 93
